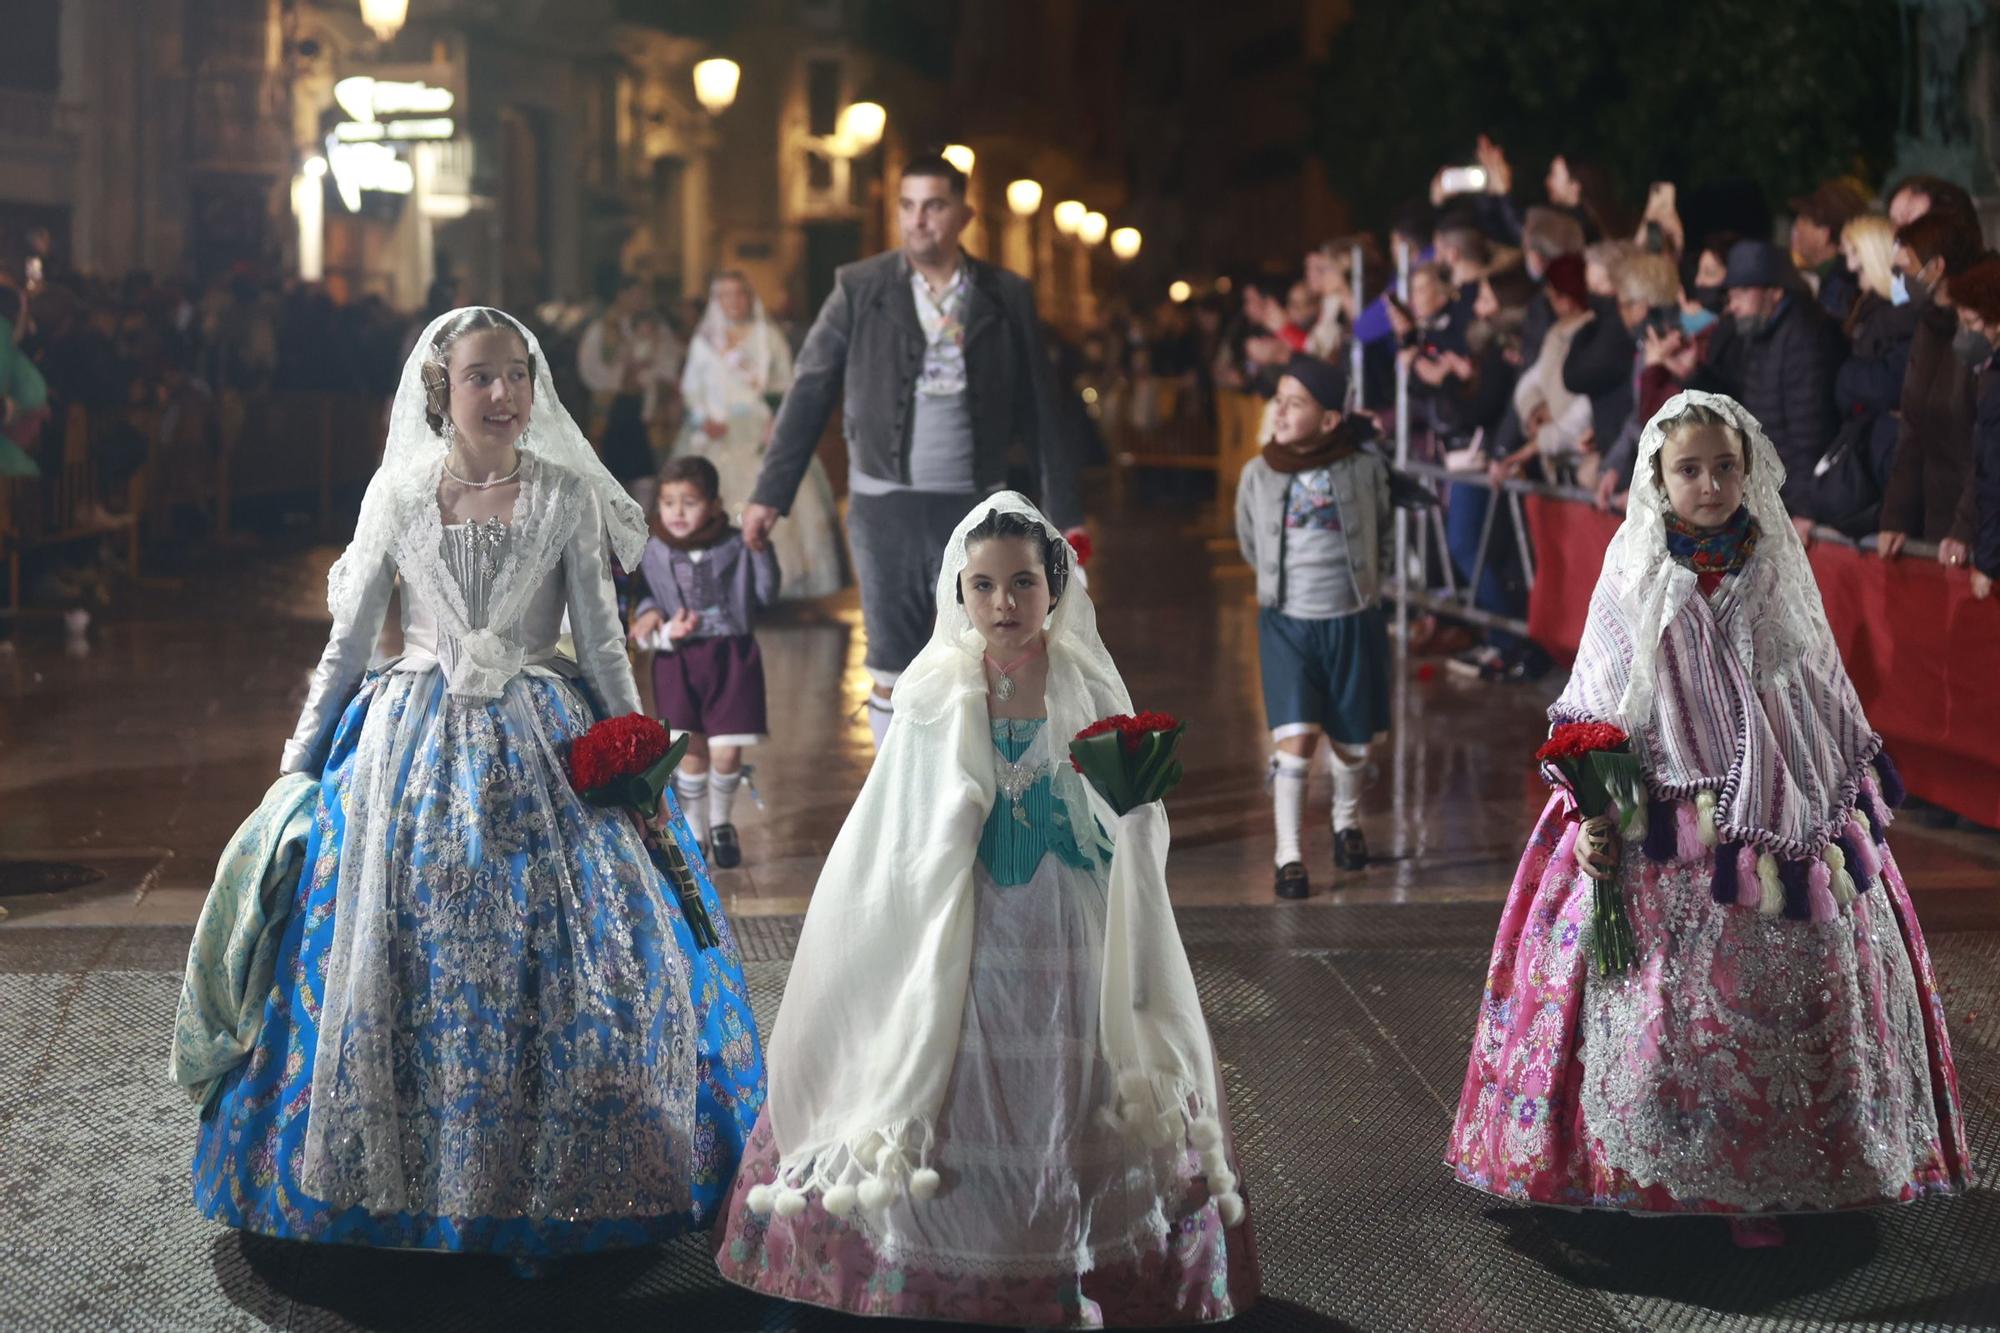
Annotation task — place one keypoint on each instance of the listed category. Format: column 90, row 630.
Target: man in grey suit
column 938, row 362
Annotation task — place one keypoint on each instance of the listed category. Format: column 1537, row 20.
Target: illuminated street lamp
column 860, row 127
column 1024, row 197
column 1125, row 242
column 1069, row 215
column 959, row 156
column 385, row 16
column 715, row 83
column 1091, row 230
column 1178, row 291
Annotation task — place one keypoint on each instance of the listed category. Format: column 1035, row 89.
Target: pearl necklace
column 483, row 485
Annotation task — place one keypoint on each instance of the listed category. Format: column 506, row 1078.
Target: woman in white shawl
column 738, row 368
column 993, row 1096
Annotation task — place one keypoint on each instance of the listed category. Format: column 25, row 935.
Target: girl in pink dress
column 1779, row 1044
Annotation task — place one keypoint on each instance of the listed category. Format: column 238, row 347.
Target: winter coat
column 1929, row 496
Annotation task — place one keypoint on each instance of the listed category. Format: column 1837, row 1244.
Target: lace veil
column 1651, row 587
column 413, row 454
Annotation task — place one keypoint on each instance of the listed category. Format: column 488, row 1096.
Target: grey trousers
column 898, row 541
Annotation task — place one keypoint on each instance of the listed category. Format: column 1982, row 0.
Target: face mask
column 1899, row 290
column 1711, row 297
column 1974, row 348
column 1694, row 321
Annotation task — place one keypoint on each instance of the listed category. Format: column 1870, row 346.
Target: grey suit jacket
column 865, row 352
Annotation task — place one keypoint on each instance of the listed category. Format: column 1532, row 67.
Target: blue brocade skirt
column 535, row 963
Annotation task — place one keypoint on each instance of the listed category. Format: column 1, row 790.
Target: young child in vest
column 993, row 1094
column 1312, row 517
column 1777, row 1043
column 703, row 590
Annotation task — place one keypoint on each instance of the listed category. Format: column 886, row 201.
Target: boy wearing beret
column 1312, row 518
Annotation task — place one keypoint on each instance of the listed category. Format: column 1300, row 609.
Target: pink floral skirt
column 1746, row 1064
column 1199, row 1273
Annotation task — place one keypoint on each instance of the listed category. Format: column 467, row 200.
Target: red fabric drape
column 1924, row 654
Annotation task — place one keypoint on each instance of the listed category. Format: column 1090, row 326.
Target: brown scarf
column 711, row 533
column 1318, row 450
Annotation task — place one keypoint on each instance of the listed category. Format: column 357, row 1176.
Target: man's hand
column 757, row 523
column 714, row 429
column 1953, row 553
column 1803, row 526
column 1982, row 585
column 684, row 623
column 645, row 625
column 1889, row 544
column 1607, row 487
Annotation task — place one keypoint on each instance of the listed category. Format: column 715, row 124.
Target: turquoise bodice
column 1021, row 830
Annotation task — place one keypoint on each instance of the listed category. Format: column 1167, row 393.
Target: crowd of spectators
column 1538, row 339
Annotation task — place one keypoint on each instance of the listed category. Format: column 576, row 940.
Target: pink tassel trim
column 1749, row 890
column 1819, row 892
column 1687, row 832
column 1864, row 848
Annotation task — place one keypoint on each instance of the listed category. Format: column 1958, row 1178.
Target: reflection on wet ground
column 137, row 752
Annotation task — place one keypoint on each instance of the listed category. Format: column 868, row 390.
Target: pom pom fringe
column 1772, row 900
column 1722, row 885
column 790, row 1203
column 1793, row 879
column 1863, row 861
column 842, row 1200
column 1890, row 781
column 1661, row 829
column 924, row 1184
column 1749, row 879
column 1205, row 1132
column 1819, row 892
column 1704, row 810
column 760, row 1200
column 1222, row 1182
column 1838, row 879
column 1230, row 1207
column 875, row 1194
column 1687, row 832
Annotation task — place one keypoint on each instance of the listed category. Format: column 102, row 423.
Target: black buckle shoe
column 723, row 847
column 1350, row 850
column 1293, row 883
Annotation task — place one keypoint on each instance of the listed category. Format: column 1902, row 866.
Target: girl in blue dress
column 490, row 1028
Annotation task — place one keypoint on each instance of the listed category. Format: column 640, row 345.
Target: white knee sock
column 1288, row 794
column 1350, row 769
column 692, row 789
column 722, row 794
column 880, row 712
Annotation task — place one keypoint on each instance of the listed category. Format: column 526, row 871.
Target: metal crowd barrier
column 203, row 451
column 1453, row 597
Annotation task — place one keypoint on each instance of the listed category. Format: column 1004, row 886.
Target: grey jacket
column 1360, row 487
column 865, row 352
column 729, row 585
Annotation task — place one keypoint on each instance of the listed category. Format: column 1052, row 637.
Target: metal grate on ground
column 1342, row 1031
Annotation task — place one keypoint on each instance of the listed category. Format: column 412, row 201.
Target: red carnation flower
column 615, row 748
column 1080, row 542
column 1573, row 740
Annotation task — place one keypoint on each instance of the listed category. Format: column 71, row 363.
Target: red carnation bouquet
column 1594, row 761
column 626, row 763
column 1132, row 761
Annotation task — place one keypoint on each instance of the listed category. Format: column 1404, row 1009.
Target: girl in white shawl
column 738, row 368
column 993, row 1096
